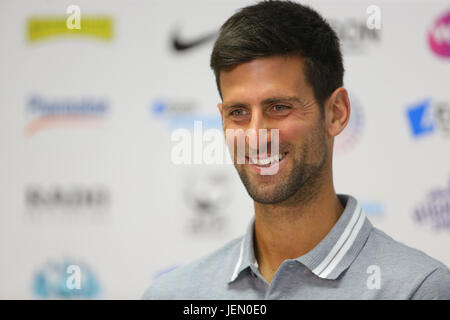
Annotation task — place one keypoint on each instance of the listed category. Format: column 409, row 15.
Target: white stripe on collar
column 342, row 245
column 345, row 247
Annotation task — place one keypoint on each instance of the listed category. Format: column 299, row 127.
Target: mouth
column 265, row 162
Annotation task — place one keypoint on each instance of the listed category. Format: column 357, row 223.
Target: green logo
column 45, row 27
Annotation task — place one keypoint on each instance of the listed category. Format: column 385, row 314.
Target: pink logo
column 439, row 36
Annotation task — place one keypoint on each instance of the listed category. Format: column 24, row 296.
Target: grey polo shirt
column 353, row 261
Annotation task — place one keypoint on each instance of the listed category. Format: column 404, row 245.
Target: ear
column 337, row 111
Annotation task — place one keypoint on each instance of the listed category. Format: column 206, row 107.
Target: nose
column 258, row 131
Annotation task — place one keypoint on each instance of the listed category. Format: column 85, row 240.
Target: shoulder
column 406, row 269
column 436, row 286
column 398, row 254
column 188, row 282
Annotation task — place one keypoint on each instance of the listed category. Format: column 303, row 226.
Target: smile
column 267, row 160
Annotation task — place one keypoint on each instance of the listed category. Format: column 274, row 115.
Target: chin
column 272, row 196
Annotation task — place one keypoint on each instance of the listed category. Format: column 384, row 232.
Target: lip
column 257, row 168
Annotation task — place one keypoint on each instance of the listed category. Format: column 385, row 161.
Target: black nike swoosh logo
column 180, row 44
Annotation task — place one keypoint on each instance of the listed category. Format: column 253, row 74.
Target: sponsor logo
column 183, row 114
column 73, row 201
column 351, row 135
column 44, row 113
column 66, row 279
column 354, row 35
column 426, row 117
column 373, row 208
column 207, row 194
column 39, row 28
column 439, row 36
column 434, row 210
column 180, row 44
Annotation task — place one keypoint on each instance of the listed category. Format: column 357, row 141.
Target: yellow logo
column 46, row 27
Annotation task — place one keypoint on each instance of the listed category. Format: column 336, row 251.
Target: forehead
column 265, row 77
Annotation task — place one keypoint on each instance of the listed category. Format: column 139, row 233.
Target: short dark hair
column 271, row 28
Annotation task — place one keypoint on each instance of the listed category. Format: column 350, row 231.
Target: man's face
column 272, row 93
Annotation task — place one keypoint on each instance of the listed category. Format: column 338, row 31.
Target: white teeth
column 277, row 157
column 266, row 161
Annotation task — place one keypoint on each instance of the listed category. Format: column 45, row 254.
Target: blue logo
column 373, row 208
column 158, row 107
column 183, row 114
column 421, row 118
column 427, row 117
column 53, row 281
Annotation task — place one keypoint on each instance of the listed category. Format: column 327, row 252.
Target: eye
column 238, row 113
column 280, row 107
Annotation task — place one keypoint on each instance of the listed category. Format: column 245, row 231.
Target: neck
column 290, row 230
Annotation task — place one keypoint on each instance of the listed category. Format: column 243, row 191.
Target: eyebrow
column 265, row 102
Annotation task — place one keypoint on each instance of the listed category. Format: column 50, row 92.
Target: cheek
column 293, row 133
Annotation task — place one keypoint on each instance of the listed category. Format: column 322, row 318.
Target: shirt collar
column 332, row 255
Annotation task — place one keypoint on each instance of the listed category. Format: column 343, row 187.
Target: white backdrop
column 85, row 138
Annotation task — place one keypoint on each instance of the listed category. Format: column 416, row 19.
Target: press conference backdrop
column 88, row 185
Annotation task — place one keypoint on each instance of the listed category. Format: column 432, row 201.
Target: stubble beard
column 302, row 184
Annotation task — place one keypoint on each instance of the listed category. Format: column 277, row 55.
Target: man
column 278, row 65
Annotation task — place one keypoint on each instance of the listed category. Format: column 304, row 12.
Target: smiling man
column 279, row 67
